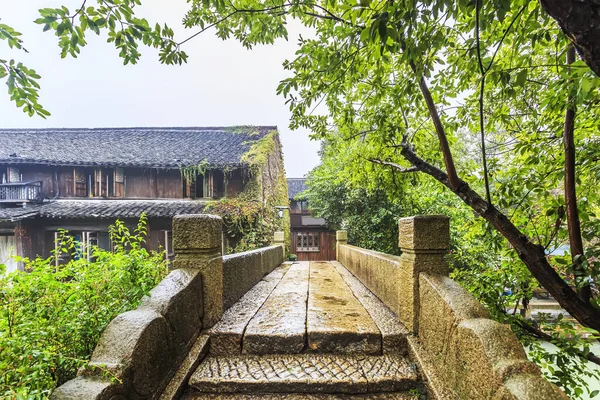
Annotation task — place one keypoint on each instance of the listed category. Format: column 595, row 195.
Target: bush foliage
column 51, row 317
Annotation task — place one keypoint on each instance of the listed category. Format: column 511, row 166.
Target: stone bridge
column 250, row 326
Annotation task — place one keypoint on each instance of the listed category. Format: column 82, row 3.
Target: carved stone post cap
column 341, row 236
column 424, row 232
column 197, row 232
column 279, row 237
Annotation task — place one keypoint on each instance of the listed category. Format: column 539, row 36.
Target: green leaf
column 521, row 77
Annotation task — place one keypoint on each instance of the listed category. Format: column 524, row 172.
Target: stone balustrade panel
column 241, row 271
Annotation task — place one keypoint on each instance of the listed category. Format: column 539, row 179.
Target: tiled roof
column 18, row 213
column 296, row 186
column 139, row 147
column 105, row 209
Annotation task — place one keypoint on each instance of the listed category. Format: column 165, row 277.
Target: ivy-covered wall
column 251, row 217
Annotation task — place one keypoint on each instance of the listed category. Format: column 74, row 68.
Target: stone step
column 304, row 373
column 393, row 333
column 279, row 326
column 226, row 336
column 298, row 396
column 336, row 321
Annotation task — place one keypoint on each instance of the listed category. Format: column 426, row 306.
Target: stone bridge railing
column 461, row 352
column 140, row 351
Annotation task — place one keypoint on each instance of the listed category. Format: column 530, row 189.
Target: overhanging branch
column 397, row 167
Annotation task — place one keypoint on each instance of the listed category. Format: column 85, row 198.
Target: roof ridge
column 228, row 129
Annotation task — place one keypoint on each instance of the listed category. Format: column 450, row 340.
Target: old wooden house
column 311, row 239
column 83, row 180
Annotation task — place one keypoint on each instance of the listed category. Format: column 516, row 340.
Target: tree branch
column 483, row 72
column 532, row 255
column 573, row 223
column 453, row 178
column 393, row 165
column 538, row 333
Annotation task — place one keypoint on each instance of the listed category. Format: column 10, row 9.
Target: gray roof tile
column 296, row 186
column 104, row 209
column 136, row 147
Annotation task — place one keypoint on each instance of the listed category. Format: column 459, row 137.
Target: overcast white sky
column 222, row 83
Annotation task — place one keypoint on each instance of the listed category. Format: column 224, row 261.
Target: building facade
column 82, row 180
column 311, row 239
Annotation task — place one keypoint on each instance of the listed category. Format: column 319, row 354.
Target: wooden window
column 119, row 183
column 205, row 186
column 166, row 242
column 103, row 182
column 80, row 180
column 307, row 242
column 13, row 175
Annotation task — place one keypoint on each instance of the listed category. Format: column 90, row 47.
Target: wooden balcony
column 21, row 192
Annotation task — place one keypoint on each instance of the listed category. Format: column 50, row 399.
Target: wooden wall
column 235, row 183
column 138, row 183
column 169, row 184
column 326, row 245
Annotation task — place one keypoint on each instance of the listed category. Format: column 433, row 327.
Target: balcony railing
column 21, row 192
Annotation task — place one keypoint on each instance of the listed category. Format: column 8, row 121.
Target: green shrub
column 51, row 317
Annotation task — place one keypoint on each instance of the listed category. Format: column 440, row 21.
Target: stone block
column 211, row 271
column 179, row 382
column 197, row 232
column 341, row 236
column 88, row 388
column 336, row 322
column 443, row 304
column 240, row 273
column 136, row 348
column 425, row 232
column 279, row 326
column 529, row 387
column 178, row 298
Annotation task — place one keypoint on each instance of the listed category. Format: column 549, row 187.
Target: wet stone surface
column 337, row 322
column 299, row 396
column 393, row 333
column 279, row 326
column 226, row 336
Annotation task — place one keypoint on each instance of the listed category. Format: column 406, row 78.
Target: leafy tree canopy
column 486, row 98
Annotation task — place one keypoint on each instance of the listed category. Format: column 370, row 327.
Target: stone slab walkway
column 308, row 307
column 308, row 330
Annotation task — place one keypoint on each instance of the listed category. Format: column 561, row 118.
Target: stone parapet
column 140, row 351
column 241, row 271
column 465, row 354
column 462, row 353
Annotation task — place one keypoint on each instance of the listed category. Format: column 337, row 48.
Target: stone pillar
column 197, row 242
column 279, row 240
column 341, row 237
column 424, row 241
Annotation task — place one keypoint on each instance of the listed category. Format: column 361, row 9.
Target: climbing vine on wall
column 190, row 172
column 251, row 217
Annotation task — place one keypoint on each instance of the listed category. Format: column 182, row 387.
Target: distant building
column 311, row 240
column 83, row 180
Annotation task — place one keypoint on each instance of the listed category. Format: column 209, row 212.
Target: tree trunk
column 580, row 21
column 573, row 223
column 531, row 254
